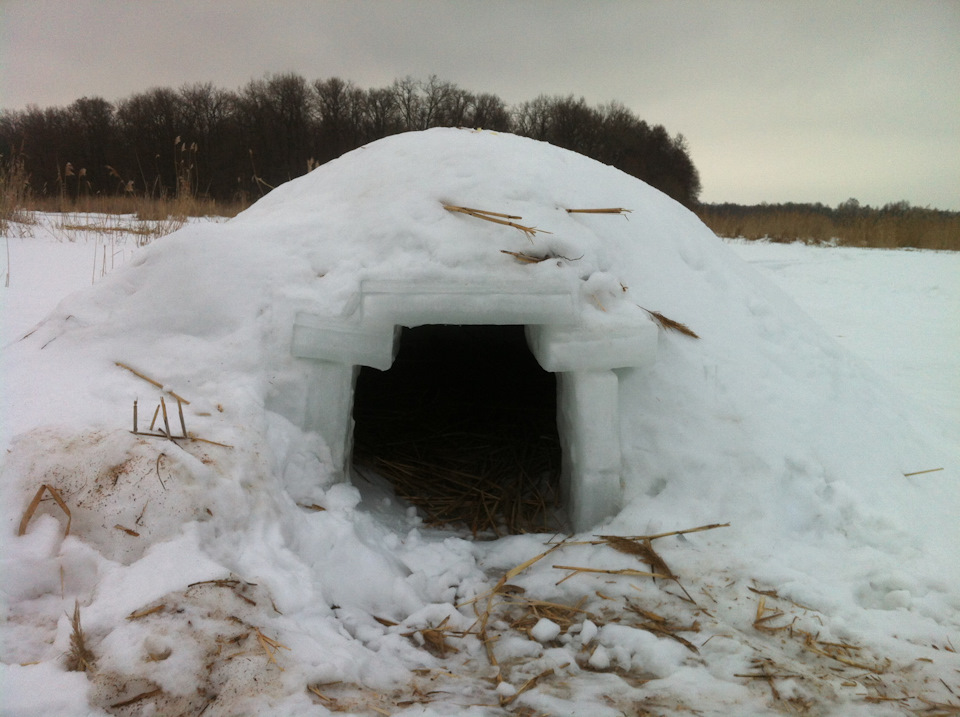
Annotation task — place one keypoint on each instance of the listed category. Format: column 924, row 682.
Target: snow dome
column 567, row 279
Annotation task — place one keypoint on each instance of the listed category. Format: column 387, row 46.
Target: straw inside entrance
column 464, row 427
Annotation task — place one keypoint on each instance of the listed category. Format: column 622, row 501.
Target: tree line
column 237, row 145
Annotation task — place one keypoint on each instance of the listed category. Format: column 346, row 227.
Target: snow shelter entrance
column 464, row 426
column 569, row 340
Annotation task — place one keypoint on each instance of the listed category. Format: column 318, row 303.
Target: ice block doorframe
column 588, row 409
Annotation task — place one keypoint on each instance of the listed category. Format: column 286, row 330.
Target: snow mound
column 763, row 422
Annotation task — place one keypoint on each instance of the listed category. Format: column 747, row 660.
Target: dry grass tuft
column 79, row 658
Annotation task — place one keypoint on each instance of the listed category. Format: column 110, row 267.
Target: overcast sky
column 780, row 100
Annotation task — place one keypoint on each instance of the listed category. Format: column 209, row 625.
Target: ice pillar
column 589, row 423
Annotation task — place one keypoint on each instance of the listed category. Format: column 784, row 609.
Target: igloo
column 426, row 238
column 421, row 241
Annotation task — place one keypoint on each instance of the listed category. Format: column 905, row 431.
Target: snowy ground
column 755, row 622
column 898, row 311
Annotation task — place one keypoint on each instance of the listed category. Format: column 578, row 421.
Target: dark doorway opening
column 464, row 425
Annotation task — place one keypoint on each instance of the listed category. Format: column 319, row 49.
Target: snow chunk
column 587, row 632
column 545, row 630
column 600, row 659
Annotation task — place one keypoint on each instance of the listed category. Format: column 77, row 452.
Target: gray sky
column 780, row 100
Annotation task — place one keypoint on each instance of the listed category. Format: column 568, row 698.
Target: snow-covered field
column 218, row 594
column 897, row 311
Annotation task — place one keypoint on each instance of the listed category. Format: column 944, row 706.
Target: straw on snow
column 669, row 324
column 497, row 218
column 35, row 503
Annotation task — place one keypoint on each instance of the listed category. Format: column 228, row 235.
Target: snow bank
column 250, row 542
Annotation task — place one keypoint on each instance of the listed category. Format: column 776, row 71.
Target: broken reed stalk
column 496, row 218
column 811, row 644
column 524, row 258
column 151, row 381
column 711, row 526
column 630, row 572
column 162, row 484
column 137, row 614
column 603, row 210
column 166, row 422
column 183, row 425
column 480, row 213
column 920, row 473
column 165, row 432
column 604, row 540
column 529, row 684
column 212, row 443
column 34, row 504
column 511, row 574
column 137, row 698
column 662, row 627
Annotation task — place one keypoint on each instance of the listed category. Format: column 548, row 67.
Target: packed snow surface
column 235, row 576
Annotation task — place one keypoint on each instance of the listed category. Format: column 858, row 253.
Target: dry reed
column 153, row 382
column 497, row 218
column 604, row 210
column 890, row 227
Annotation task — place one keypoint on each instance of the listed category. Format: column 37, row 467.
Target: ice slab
column 344, row 341
column 329, row 409
column 491, row 301
column 586, row 348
